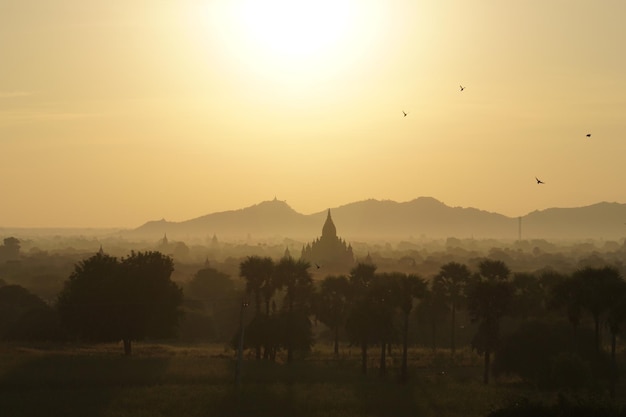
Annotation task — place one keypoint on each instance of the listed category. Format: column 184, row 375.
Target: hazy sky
column 116, row 112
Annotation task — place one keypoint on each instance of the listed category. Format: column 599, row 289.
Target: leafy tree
column 489, row 299
column 209, row 285
column 10, row 250
column 209, row 299
column 530, row 352
column 453, row 277
column 26, row 317
column 107, row 299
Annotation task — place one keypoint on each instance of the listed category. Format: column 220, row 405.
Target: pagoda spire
column 329, row 230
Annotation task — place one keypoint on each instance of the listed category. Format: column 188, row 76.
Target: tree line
column 517, row 317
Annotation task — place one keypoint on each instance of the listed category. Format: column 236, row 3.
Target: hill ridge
column 422, row 217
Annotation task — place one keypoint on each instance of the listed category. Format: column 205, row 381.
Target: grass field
column 168, row 380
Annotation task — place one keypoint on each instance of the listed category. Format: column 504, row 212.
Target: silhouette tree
column 258, row 272
column 209, row 285
column 209, row 298
column 453, row 277
column 10, row 250
column 529, row 295
column 332, row 305
column 383, row 300
column 294, row 277
column 597, row 286
column 105, row 299
column 409, row 288
column 489, row 298
column 493, row 270
column 361, row 315
column 566, row 295
column 26, row 317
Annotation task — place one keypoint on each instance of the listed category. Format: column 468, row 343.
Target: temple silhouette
column 328, row 250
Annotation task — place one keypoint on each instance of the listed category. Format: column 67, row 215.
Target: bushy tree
column 532, row 350
column 106, row 299
column 26, row 317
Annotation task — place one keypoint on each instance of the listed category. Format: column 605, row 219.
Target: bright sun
column 296, row 30
column 291, row 39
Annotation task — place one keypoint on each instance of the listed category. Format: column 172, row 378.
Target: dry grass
column 176, row 380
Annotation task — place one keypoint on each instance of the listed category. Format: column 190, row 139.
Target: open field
column 169, row 380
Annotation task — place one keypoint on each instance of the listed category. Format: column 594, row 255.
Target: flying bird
column 462, row 88
column 404, row 113
column 588, row 135
column 539, row 181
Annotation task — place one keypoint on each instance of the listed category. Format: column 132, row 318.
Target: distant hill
column 371, row 219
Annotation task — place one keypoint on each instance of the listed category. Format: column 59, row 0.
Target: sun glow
column 296, row 29
column 291, row 39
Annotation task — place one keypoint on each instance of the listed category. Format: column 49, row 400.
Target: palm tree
column 615, row 320
column 257, row 272
column 361, row 316
column 295, row 278
column 597, row 286
column 332, row 304
column 494, row 270
column 566, row 294
column 409, row 288
column 383, row 297
column 453, row 278
column 489, row 299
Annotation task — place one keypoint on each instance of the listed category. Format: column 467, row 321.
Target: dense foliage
column 106, row 299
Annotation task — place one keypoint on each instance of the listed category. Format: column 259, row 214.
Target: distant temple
column 328, row 250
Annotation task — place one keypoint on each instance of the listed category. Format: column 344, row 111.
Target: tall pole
column 244, row 304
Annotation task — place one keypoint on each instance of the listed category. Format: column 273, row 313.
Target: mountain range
column 423, row 217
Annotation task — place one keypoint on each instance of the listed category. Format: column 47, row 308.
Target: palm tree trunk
column 614, row 370
column 364, row 358
column 596, row 319
column 127, row 347
column 452, row 330
column 382, row 370
column 405, row 348
column 486, row 372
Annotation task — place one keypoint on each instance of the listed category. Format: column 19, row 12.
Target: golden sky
column 116, row 112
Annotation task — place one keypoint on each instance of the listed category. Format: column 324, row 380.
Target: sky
column 117, row 112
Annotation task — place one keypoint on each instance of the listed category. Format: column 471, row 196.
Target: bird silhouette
column 462, row 88
column 404, row 113
column 539, row 181
column 588, row 135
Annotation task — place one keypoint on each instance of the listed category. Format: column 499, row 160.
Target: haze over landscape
column 113, row 113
